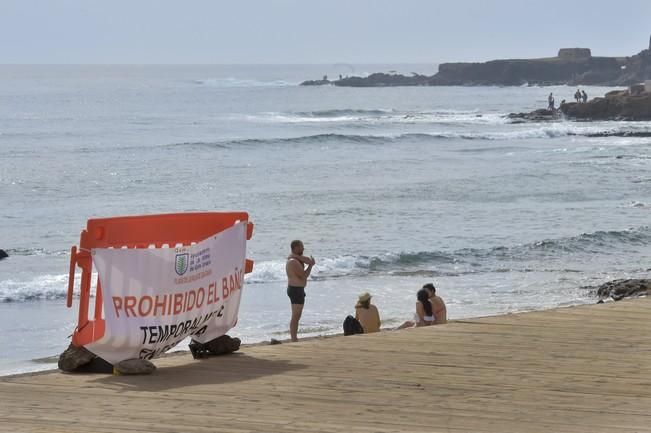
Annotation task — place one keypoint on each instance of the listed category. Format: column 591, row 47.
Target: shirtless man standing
column 298, row 268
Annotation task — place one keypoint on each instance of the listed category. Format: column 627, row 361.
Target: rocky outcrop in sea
column 572, row 66
column 616, row 105
column 541, row 115
column 620, row 289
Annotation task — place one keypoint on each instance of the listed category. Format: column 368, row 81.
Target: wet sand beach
column 577, row 369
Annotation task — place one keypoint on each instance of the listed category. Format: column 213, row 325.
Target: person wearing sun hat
column 367, row 313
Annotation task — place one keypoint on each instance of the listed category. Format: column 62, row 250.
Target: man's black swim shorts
column 296, row 294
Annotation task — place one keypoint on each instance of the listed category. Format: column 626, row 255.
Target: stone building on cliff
column 574, row 53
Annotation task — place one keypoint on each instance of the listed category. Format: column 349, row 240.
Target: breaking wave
column 515, row 258
column 306, row 139
column 344, row 112
column 358, row 118
column 35, row 252
column 548, row 131
column 468, row 260
column 41, row 288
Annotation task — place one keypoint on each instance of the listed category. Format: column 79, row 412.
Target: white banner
column 156, row 297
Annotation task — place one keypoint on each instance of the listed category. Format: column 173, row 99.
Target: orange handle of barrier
column 71, row 275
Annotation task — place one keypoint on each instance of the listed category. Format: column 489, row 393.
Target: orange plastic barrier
column 136, row 232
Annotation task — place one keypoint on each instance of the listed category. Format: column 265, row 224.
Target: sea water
column 389, row 188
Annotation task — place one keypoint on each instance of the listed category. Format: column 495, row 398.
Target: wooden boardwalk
column 581, row 369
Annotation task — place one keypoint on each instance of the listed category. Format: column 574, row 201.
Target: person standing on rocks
column 550, row 100
column 577, row 95
column 298, row 268
column 584, row 96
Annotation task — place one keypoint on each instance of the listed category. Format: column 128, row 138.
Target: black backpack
column 352, row 326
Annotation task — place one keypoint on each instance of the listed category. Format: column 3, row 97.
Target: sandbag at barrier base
column 80, row 360
column 219, row 346
column 74, row 357
column 134, row 366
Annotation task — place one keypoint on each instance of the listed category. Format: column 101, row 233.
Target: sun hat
column 366, row 296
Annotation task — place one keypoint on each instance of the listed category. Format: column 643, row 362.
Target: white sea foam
column 42, row 287
column 389, row 263
column 38, row 288
column 270, row 271
column 449, row 122
column 373, row 117
column 235, row 82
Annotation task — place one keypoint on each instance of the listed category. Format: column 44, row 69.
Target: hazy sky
column 306, row 31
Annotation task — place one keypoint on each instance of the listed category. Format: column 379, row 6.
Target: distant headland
column 572, row 66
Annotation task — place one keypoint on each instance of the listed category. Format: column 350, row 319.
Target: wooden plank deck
column 580, row 369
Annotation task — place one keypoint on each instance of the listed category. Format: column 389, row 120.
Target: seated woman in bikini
column 424, row 311
column 440, row 310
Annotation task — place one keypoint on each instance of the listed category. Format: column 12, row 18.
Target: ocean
column 389, row 188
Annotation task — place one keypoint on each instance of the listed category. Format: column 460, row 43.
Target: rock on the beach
column 620, row 289
column 134, row 366
column 3, row 254
column 74, row 357
column 218, row 346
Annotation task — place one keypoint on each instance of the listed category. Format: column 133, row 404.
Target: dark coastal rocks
column 380, row 79
column 620, row 289
column 316, row 83
column 616, row 105
column 542, row 72
column 219, row 346
column 134, row 366
column 551, row 71
column 3, row 254
column 573, row 66
column 541, row 115
column 74, row 357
